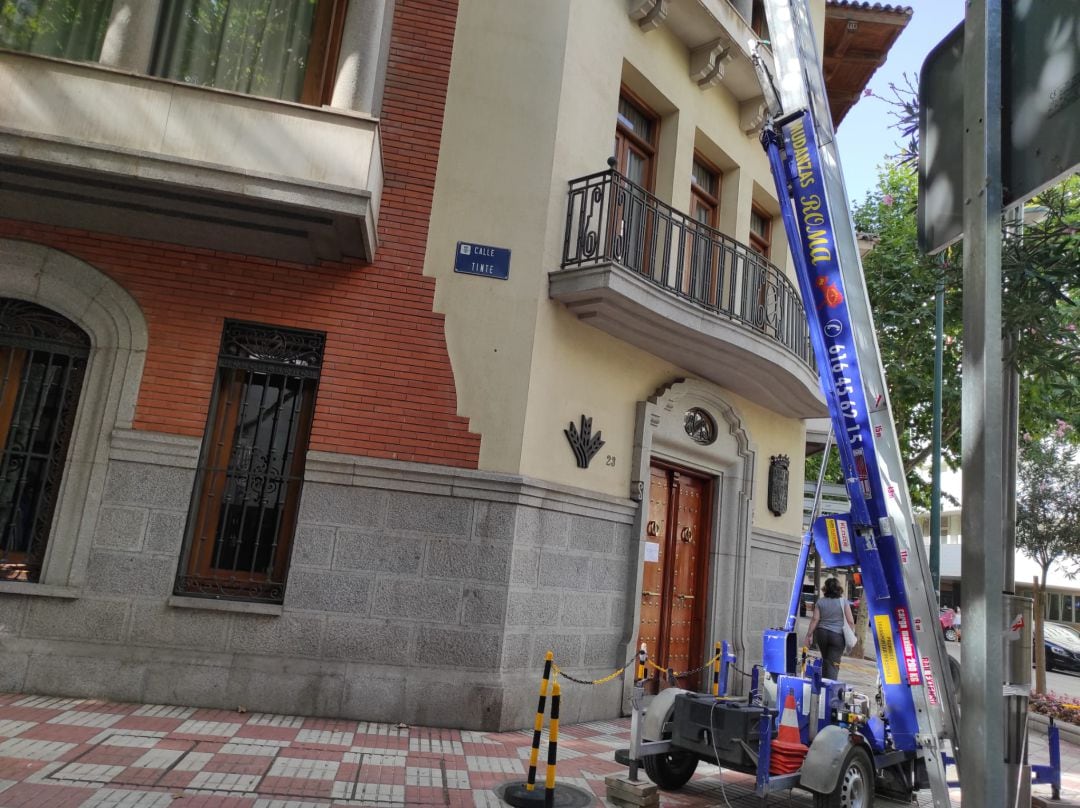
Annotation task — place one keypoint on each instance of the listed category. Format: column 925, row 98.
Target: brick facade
column 387, row 388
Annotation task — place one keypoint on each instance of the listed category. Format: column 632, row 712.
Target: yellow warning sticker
column 834, row 542
column 889, row 665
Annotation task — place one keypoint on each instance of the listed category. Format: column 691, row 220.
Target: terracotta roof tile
column 864, row 6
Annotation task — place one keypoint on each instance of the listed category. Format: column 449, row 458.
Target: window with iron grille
column 42, row 362
column 251, row 468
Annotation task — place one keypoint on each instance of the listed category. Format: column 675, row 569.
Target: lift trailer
column 902, row 738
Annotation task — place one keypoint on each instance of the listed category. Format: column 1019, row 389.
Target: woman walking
column 827, row 627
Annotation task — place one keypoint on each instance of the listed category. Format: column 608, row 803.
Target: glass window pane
column 1066, row 609
column 759, row 224
column 635, row 120
column 67, row 29
column 635, row 168
column 258, row 47
column 705, row 178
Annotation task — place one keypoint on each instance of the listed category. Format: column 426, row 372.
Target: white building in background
column 1062, row 596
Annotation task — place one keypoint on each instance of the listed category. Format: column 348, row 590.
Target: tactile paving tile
column 30, row 749
column 119, row 759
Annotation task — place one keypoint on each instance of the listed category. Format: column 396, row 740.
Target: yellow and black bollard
column 716, row 673
column 538, row 726
column 525, row 794
column 553, row 748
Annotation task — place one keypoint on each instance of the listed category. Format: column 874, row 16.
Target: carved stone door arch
column 688, row 423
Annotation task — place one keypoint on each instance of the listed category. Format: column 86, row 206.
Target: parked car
column 947, row 617
column 1062, row 646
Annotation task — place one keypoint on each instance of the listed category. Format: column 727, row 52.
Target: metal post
column 553, row 747
column 1037, row 627
column 727, row 659
column 1017, row 691
column 1011, row 432
column 637, row 712
column 982, row 726
column 716, row 672
column 1053, row 737
column 538, row 725
column 808, row 543
column 935, row 473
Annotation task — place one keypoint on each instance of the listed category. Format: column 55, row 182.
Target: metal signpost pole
column 982, row 723
column 935, row 472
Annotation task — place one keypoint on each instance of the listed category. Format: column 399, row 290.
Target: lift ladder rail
column 919, row 702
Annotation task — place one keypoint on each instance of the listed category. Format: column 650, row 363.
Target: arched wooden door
column 674, row 584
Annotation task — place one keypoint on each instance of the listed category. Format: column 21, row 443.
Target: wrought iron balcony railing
column 611, row 220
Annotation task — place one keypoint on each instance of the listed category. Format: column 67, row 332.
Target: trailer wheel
column 855, row 788
column 671, row 770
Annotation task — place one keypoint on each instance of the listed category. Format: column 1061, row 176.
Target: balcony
column 657, row 279
column 83, row 145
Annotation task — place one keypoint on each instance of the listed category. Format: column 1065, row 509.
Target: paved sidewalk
column 79, row 753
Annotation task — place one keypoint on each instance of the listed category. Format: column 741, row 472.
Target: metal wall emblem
column 700, row 426
column 583, row 442
column 778, row 484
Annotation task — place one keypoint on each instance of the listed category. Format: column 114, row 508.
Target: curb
column 1069, row 733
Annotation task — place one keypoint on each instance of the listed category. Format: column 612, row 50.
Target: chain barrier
column 668, row 672
column 557, row 671
column 603, row 681
column 740, row 671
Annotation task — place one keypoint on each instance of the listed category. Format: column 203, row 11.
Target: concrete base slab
column 624, row 791
column 1045, row 802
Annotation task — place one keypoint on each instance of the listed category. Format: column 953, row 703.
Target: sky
column 865, row 138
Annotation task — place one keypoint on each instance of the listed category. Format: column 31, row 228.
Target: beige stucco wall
column 531, row 105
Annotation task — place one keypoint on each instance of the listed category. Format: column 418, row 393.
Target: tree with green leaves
column 1048, row 502
column 1041, row 275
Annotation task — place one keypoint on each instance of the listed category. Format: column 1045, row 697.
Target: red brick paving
column 270, row 760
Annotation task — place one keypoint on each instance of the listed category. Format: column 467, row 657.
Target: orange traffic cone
column 788, row 750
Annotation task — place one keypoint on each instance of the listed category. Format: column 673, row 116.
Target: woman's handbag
column 849, row 637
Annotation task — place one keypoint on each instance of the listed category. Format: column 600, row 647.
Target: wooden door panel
column 685, row 640
column 673, row 591
column 653, row 578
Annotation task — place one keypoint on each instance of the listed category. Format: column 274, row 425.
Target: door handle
column 650, row 594
column 685, row 597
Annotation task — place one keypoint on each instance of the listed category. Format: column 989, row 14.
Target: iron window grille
column 251, row 467
column 42, row 363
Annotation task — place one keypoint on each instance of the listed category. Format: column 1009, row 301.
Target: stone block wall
column 415, row 593
column 771, row 573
